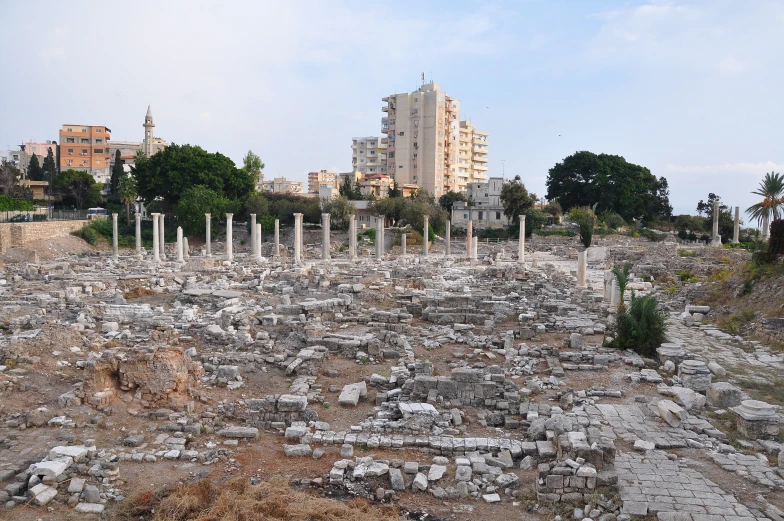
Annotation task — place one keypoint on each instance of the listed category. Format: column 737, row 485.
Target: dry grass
column 238, row 500
column 139, row 292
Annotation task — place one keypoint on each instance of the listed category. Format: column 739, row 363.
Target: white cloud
column 730, row 65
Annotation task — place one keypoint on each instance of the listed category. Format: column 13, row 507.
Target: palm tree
column 622, row 278
column 771, row 189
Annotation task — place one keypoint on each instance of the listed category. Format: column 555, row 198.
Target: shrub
column 88, row 235
column 776, row 240
column 612, row 220
column 267, row 223
column 652, row 235
column 642, row 327
column 687, row 253
column 584, row 217
column 556, row 233
column 11, row 204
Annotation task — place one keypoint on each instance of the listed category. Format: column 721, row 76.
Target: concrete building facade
column 86, row 148
column 422, row 129
column 281, row 185
column 369, row 154
column 486, row 210
column 471, row 157
column 322, row 177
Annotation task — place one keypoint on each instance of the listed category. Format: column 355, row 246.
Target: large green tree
column 126, row 190
column 34, row 170
column 611, row 183
column 194, row 202
column 516, row 200
column 253, row 166
column 78, row 188
column 339, row 210
column 450, row 198
column 117, row 173
column 176, row 168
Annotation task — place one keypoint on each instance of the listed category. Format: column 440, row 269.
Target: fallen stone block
column 292, row 403
column 251, row 433
column 49, row 468
column 89, row 508
column 672, row 413
column 724, row 395
column 297, row 450
column 42, row 494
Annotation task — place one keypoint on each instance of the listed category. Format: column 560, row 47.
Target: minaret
column 148, row 126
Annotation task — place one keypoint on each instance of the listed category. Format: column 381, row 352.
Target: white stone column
column 469, row 235
column 276, row 247
column 208, row 244
column 253, row 234
column 448, row 239
column 765, row 225
column 257, row 233
column 582, row 267
column 185, row 248
column 521, row 241
column 297, row 238
column 180, row 254
column 609, row 277
column 402, row 244
column 736, row 228
column 115, row 247
column 325, row 244
column 229, row 237
column 426, row 236
column 615, row 294
column 474, row 248
column 716, row 238
column 379, row 237
column 352, row 236
column 138, row 232
column 162, row 242
column 156, row 249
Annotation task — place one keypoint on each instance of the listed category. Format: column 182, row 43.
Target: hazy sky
column 690, row 89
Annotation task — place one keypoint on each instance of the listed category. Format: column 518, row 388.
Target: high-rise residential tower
column 369, row 154
column 428, row 145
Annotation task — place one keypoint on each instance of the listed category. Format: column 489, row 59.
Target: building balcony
column 385, row 99
column 383, row 146
column 480, row 166
column 480, row 158
column 385, row 108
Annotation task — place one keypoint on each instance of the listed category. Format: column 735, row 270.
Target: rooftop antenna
column 503, row 169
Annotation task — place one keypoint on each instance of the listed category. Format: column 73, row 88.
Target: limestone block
column 420, row 482
column 239, row 432
column 349, row 395
column 671, row 412
column 42, row 494
column 297, row 450
column 396, row 479
column 724, row 395
column 50, row 468
column 89, row 508
column 292, row 403
column 436, row 472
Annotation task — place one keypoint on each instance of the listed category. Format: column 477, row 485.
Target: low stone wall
column 772, row 328
column 16, row 235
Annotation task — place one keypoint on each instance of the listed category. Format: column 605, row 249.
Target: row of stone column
column 182, row 251
column 716, row 238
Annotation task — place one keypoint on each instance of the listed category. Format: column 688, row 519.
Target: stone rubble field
column 466, row 388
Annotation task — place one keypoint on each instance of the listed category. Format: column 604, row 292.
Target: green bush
column 642, row 327
column 584, row 217
column 612, row 220
column 369, row 233
column 11, row 204
column 88, row 235
column 267, row 223
column 776, row 240
column 652, row 235
column 557, row 233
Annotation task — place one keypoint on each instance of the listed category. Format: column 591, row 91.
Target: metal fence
column 41, row 214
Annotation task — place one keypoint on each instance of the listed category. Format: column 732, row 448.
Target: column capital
column 205, row 215
column 229, row 215
column 155, row 214
column 522, row 217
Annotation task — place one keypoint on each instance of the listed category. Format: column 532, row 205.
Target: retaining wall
column 15, row 235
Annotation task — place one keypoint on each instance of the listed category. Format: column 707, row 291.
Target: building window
column 415, row 167
column 98, row 130
column 84, row 130
column 480, row 215
column 85, row 140
column 70, row 151
column 69, row 130
column 497, row 216
column 416, row 123
column 99, row 151
column 401, row 166
column 465, row 216
column 99, row 140
column 401, row 133
column 415, row 156
column 416, row 100
column 70, row 140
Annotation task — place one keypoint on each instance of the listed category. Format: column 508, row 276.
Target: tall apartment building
column 471, row 157
column 422, row 132
column 322, row 177
column 369, row 154
column 84, row 147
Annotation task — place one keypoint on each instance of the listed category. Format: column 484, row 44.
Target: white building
column 486, row 210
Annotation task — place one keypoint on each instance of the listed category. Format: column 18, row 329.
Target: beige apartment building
column 281, row 185
column 369, row 154
column 428, row 145
column 322, row 177
column 471, row 158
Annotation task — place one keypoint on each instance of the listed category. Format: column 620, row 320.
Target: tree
column 707, row 208
column 170, row 172
column 450, row 198
column 117, row 173
column 632, row 191
column 339, row 210
column 349, row 190
column 127, row 192
column 253, row 166
column 9, row 178
column 258, row 204
column 194, row 203
column 78, row 188
column 516, row 200
column 34, row 170
column 394, row 191
column 622, row 278
column 49, row 167
column 771, row 189
column 726, row 221
column 585, row 219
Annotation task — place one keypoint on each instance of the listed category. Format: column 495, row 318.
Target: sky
column 689, row 89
